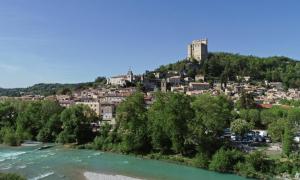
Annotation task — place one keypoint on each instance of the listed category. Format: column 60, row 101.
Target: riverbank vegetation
column 189, row 130
column 11, row 176
column 175, row 127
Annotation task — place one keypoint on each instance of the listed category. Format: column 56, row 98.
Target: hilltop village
column 105, row 98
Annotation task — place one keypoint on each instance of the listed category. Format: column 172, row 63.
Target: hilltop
column 227, row 67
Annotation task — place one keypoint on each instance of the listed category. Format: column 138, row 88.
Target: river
column 63, row 163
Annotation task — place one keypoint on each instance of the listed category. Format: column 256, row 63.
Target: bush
column 284, row 167
column 256, row 165
column 11, row 176
column 201, row 160
column 65, row 138
column 225, row 160
column 220, row 161
column 9, row 137
column 98, row 143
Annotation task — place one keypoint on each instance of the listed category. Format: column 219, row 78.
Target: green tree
column 276, row 129
column 8, row 136
column 270, row 115
column 132, row 124
column 29, row 121
column 225, row 160
column 76, row 124
column 212, row 115
column 50, row 131
column 8, row 115
column 240, row 126
column 294, row 116
column 254, row 117
column 287, row 141
column 168, row 119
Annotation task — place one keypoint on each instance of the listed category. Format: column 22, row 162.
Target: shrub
column 201, row 160
column 11, row 176
column 220, row 161
column 9, row 137
column 256, row 165
column 225, row 160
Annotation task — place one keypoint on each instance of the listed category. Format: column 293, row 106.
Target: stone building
column 198, row 50
column 121, row 80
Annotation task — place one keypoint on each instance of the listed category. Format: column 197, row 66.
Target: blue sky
column 69, row 41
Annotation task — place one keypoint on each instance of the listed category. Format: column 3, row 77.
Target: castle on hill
column 198, row 50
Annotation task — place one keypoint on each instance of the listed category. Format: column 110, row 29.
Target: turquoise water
column 60, row 163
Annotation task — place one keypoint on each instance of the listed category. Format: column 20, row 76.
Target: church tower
column 130, row 76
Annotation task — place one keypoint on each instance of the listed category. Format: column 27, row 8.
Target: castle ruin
column 198, row 50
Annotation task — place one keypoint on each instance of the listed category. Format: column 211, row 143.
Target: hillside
column 227, row 66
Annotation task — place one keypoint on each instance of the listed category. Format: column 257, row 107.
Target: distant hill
column 51, row 89
column 227, row 66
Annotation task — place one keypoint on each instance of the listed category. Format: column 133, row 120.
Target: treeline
column 45, row 121
column 227, row 66
column 189, row 129
column 51, row 89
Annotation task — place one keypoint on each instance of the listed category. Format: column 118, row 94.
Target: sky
column 70, row 41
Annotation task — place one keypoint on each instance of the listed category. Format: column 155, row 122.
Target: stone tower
column 198, row 50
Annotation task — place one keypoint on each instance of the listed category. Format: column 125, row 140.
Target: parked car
column 268, row 140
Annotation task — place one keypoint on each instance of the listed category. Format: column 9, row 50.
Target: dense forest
column 175, row 127
column 227, row 66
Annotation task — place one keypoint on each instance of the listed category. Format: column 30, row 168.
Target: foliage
column 270, row 115
column 11, row 176
column 224, row 160
column 255, row 165
column 212, row 115
column 294, row 116
column 291, row 102
column 168, row 119
column 252, row 116
column 132, row 124
column 287, row 141
column 8, row 136
column 202, row 160
column 8, row 115
column 240, row 126
column 276, row 129
column 105, row 140
column 76, row 124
